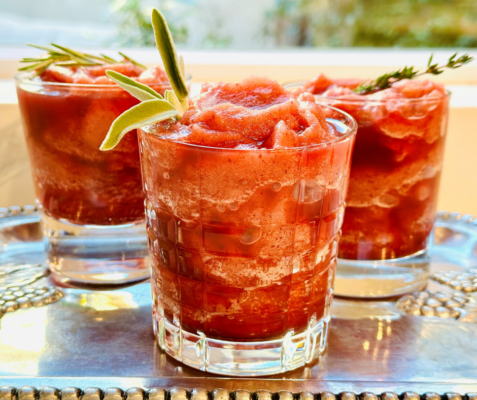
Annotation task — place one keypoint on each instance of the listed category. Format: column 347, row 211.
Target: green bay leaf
column 138, row 90
column 145, row 113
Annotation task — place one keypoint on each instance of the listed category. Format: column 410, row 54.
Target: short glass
column 392, row 197
column 243, row 245
column 91, row 202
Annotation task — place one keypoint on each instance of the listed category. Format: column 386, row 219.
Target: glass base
column 382, row 278
column 242, row 358
column 96, row 255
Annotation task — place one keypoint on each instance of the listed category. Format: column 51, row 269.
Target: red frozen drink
column 91, row 202
column 244, row 202
column 396, row 165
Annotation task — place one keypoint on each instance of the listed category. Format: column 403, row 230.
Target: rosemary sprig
column 153, row 107
column 65, row 57
column 385, row 81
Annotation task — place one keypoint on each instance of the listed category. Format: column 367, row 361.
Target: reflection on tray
column 108, row 334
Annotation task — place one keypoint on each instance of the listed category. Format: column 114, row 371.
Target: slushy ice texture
column 65, row 124
column 396, row 164
column 244, row 203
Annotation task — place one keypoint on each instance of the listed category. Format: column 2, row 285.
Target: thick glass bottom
column 382, row 278
column 242, row 358
column 96, row 255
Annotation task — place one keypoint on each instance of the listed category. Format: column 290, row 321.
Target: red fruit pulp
column 243, row 240
column 396, row 165
column 64, row 126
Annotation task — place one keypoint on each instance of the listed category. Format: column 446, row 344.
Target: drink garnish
column 145, row 113
column 385, row 81
column 173, row 65
column 65, row 57
column 153, row 107
column 138, row 90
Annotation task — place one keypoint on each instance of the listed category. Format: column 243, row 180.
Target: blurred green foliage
column 135, row 22
column 374, row 23
column 136, row 29
column 314, row 23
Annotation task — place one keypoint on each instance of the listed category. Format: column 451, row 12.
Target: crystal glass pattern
column 243, row 246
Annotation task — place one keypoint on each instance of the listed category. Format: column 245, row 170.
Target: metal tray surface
column 104, row 338
column 178, row 393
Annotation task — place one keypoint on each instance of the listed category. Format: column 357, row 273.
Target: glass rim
column 352, row 130
column 364, row 99
column 25, row 77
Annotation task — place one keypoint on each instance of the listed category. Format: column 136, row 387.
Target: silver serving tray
column 104, row 338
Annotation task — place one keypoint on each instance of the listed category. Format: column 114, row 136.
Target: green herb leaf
column 136, row 89
column 182, row 66
column 73, row 63
column 30, row 60
column 132, row 61
column 47, row 49
column 430, row 60
column 63, row 56
column 171, row 97
column 166, row 47
column 46, row 62
column 145, row 113
column 110, row 59
column 101, row 60
column 385, row 81
column 151, row 109
column 73, row 53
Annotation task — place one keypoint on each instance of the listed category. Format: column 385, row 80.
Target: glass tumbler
column 392, row 196
column 243, row 246
column 91, row 202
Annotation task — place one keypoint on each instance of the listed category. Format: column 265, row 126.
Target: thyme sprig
column 385, row 81
column 65, row 57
